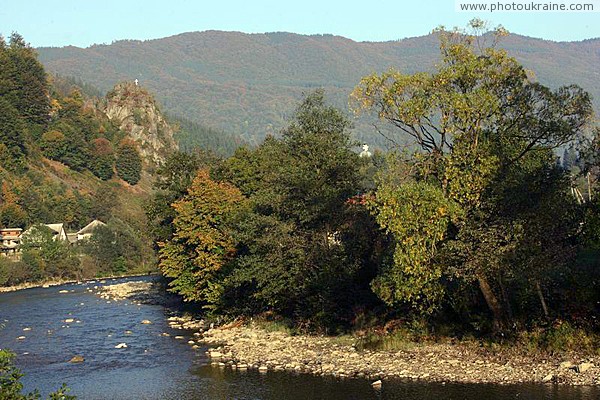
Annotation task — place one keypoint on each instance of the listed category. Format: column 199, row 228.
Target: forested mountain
column 248, row 84
column 67, row 158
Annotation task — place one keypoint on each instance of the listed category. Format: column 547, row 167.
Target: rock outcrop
column 135, row 111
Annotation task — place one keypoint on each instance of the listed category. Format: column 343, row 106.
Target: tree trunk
column 538, row 289
column 492, row 301
column 505, row 299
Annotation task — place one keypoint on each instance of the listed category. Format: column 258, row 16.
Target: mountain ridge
column 249, row 84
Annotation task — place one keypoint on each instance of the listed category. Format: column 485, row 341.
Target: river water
column 154, row 367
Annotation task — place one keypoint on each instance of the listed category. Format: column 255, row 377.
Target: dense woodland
column 477, row 228
column 63, row 162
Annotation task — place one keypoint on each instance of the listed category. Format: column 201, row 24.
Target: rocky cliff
column 136, row 113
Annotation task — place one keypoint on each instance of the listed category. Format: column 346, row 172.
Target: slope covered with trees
column 249, row 84
column 64, row 161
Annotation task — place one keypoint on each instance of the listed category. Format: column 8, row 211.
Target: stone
column 128, row 332
column 21, row 338
column 26, row 329
column 146, row 322
column 165, row 334
column 121, row 346
column 191, row 342
column 548, row 378
column 215, row 354
column 179, row 337
column 263, row 368
column 377, row 384
column 63, row 291
column 69, row 320
column 565, row 365
column 77, row 359
column 584, row 367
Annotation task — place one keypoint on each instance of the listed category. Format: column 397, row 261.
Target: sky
column 83, row 23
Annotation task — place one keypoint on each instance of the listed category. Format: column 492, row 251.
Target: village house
column 87, row 231
column 10, row 240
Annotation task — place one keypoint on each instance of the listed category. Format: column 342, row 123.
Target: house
column 10, row 239
column 87, row 231
column 58, row 231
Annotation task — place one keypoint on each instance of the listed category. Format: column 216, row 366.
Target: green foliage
column 485, row 133
column 23, row 81
column 114, row 248
column 128, row 162
column 102, row 163
column 192, row 136
column 303, row 250
column 51, row 257
column 418, row 215
column 12, row 137
column 172, row 181
column 11, row 386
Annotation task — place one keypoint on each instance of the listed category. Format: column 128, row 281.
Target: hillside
column 249, row 84
column 67, row 158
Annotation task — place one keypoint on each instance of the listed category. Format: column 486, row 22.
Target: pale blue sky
column 82, row 22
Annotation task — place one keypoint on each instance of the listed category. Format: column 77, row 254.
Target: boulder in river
column 146, row 322
column 121, row 346
column 77, row 359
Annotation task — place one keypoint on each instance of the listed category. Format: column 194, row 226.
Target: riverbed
column 57, row 323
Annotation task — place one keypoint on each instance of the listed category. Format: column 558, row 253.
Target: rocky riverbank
column 247, row 347
column 58, row 282
column 141, row 292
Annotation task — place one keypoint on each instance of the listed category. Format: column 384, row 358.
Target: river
column 153, row 366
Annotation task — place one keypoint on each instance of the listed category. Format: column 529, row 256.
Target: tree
column 103, row 159
column 10, row 382
column 201, row 245
column 23, row 81
column 12, row 138
column 302, row 250
column 129, row 162
column 477, row 120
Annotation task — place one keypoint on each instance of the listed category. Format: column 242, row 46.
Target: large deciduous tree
column 478, row 122
column 201, row 245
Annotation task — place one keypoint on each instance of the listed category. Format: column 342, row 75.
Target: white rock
column 69, row 320
column 584, row 367
column 146, row 322
column 121, row 346
column 21, row 338
column 26, row 329
column 63, row 291
column 377, row 384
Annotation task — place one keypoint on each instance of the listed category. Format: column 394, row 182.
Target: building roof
column 89, row 228
column 11, row 230
column 57, row 228
column 72, row 237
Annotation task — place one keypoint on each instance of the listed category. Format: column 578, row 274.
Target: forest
column 477, row 228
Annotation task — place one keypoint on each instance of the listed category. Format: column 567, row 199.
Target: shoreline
column 59, row 282
column 251, row 347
